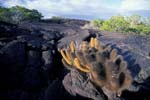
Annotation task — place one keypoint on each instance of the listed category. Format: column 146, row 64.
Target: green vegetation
column 17, row 14
column 57, row 19
column 132, row 24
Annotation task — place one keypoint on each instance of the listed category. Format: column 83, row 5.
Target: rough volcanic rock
column 51, row 35
column 33, row 79
column 47, row 58
column 8, row 73
column 60, row 93
column 31, row 68
column 77, row 83
column 80, row 36
column 54, row 91
column 26, row 58
column 48, row 45
column 11, row 30
column 34, row 58
column 17, row 50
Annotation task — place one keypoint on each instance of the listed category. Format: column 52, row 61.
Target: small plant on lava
column 104, row 66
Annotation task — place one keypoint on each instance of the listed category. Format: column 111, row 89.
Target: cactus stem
column 77, row 64
column 92, row 42
column 65, row 58
column 72, row 46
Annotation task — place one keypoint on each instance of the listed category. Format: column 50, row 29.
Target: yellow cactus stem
column 65, row 58
column 84, row 46
column 92, row 42
column 87, row 67
column 77, row 64
column 128, row 79
column 96, row 43
column 68, row 54
column 72, row 46
column 113, row 54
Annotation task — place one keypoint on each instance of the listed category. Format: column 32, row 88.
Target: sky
column 83, row 9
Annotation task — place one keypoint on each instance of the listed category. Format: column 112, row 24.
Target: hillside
column 31, row 66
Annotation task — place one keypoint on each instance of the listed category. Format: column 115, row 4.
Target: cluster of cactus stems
column 105, row 67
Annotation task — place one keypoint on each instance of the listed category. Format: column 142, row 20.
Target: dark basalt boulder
column 26, row 59
column 34, row 58
column 33, row 79
column 80, row 36
column 17, row 50
column 51, row 35
column 11, row 30
column 47, row 59
column 77, row 83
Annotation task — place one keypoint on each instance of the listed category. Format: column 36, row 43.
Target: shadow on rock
column 141, row 94
column 138, row 91
column 132, row 65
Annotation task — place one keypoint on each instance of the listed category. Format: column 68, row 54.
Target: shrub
column 131, row 24
column 16, row 14
column 5, row 14
column 106, row 26
column 97, row 23
column 56, row 19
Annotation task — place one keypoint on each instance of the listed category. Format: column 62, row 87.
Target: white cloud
column 132, row 5
column 81, row 8
column 63, row 7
